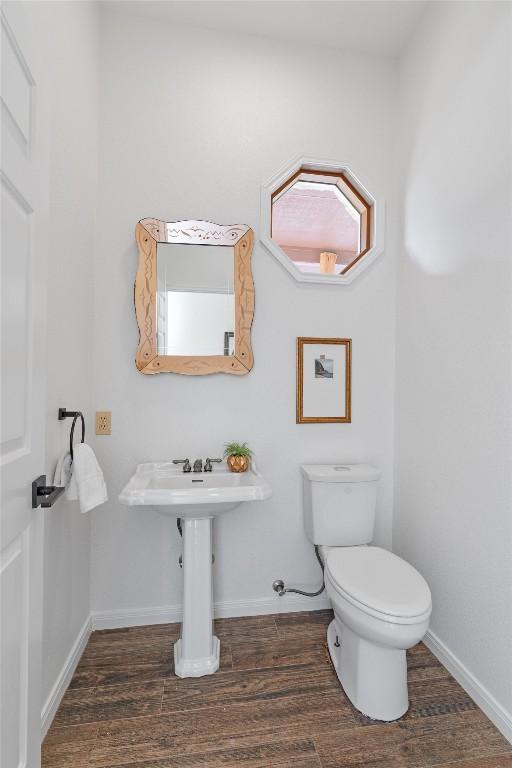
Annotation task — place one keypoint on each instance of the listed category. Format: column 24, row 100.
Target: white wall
column 70, row 50
column 454, row 342
column 192, row 122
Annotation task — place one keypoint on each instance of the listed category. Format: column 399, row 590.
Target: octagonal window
column 321, row 222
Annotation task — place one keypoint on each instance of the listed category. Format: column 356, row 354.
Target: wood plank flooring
column 275, row 702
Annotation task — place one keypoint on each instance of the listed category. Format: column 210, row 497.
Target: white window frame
column 377, row 221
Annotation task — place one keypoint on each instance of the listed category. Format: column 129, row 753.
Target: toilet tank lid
column 340, row 473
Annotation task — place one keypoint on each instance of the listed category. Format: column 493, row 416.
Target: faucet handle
column 185, row 462
column 208, row 464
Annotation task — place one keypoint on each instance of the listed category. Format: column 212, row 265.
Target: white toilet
column 382, row 605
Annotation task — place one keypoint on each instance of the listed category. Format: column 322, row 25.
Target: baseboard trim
column 51, row 704
column 168, row 614
column 480, row 695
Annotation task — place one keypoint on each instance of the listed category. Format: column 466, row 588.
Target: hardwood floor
column 275, row 702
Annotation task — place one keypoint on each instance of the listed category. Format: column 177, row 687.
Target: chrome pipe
column 279, row 587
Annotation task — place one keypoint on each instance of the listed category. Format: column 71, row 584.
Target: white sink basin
column 171, row 491
column 197, row 497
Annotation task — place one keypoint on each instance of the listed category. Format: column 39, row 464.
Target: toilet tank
column 339, row 503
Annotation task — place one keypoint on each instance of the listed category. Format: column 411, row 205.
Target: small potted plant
column 238, row 455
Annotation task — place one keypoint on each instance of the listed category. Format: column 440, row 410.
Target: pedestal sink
column 196, row 498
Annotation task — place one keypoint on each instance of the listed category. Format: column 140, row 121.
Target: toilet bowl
column 382, row 606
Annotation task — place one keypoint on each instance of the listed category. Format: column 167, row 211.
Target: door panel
column 23, row 176
column 15, row 270
column 14, row 652
column 17, row 85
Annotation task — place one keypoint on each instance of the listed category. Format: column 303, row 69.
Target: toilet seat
column 379, row 583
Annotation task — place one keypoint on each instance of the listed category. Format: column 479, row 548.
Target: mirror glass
column 195, row 299
column 320, row 222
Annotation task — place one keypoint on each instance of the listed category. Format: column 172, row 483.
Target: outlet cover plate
column 103, row 422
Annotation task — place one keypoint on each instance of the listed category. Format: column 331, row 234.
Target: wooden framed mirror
column 194, row 297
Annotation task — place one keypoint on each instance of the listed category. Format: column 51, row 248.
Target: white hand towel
column 63, row 476
column 88, row 477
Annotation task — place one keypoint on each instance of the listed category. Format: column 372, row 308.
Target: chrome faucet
column 208, row 464
column 198, row 465
column 186, row 464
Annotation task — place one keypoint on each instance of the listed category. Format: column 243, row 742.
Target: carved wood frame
column 148, row 234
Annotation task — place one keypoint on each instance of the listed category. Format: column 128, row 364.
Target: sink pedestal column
column 197, row 651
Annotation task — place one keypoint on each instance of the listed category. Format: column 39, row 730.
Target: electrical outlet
column 103, row 422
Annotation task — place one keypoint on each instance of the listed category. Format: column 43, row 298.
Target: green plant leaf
column 237, row 449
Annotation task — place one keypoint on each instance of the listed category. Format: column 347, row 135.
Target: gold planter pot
column 238, row 463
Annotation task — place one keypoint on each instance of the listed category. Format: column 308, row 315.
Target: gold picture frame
column 324, row 374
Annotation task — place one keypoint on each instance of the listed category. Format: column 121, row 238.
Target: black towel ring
column 65, row 414
column 79, row 414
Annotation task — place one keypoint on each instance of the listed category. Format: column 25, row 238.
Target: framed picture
column 323, row 380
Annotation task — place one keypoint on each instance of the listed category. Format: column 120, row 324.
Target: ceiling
column 379, row 27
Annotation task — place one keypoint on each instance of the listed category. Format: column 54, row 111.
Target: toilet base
column 373, row 677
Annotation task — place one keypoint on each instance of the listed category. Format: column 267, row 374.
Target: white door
column 23, row 290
